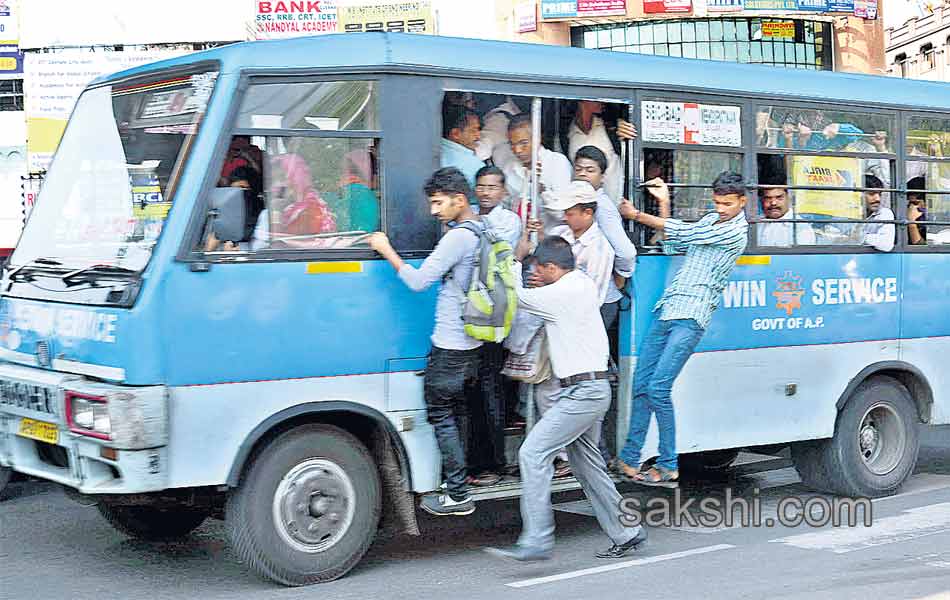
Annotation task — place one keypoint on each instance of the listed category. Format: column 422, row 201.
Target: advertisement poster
column 813, row 5
column 9, row 30
column 53, row 81
column 275, row 19
column 832, row 172
column 778, row 30
column 526, row 17
column 667, row 6
column 866, row 9
column 570, row 9
column 404, row 17
column 691, row 123
column 841, row 6
column 715, row 6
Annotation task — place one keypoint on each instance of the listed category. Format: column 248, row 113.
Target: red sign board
column 667, row 6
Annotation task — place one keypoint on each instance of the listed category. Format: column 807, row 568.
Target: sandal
column 657, row 475
column 562, row 468
column 626, row 472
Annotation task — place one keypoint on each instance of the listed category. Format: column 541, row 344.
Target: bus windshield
column 111, row 184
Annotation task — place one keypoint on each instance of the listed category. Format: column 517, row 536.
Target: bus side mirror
column 227, row 213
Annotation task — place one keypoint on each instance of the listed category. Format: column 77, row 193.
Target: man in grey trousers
column 568, row 301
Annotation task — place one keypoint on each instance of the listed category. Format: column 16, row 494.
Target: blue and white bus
column 175, row 347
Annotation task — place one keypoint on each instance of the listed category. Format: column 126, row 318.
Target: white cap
column 579, row 192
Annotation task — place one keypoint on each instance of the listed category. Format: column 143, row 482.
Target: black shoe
column 521, row 553
column 621, row 550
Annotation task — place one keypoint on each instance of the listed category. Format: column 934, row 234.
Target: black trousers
column 487, row 406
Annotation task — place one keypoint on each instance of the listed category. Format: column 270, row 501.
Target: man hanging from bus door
column 568, row 302
column 712, row 246
column 590, row 165
column 453, row 362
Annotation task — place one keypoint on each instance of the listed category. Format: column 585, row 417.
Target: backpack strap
column 479, row 232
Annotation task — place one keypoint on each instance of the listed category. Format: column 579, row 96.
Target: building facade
column 918, row 49
column 840, row 36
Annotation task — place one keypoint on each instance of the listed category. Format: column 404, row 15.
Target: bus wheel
column 874, row 449
column 153, row 523
column 705, row 462
column 307, row 508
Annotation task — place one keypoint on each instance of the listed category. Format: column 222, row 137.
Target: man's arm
column 448, row 252
column 610, row 223
column 661, row 192
column 537, row 301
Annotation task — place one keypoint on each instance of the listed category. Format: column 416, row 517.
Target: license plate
column 39, row 430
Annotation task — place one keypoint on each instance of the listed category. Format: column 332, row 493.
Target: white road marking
column 912, row 524
column 617, row 566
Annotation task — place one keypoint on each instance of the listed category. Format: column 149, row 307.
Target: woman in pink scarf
column 307, row 213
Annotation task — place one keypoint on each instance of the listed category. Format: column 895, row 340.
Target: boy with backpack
column 472, row 301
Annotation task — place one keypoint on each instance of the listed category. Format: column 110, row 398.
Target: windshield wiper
column 51, row 262
column 87, row 273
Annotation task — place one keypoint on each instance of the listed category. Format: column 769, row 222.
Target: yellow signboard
column 409, row 17
column 827, row 171
column 778, row 29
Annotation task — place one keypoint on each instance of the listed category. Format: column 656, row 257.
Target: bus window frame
column 894, row 159
column 906, row 117
column 667, row 95
column 190, row 250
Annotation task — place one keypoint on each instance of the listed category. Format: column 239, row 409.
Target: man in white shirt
column 776, row 206
column 554, row 168
column 588, row 129
column 878, row 235
column 491, row 192
column 568, row 302
column 494, row 142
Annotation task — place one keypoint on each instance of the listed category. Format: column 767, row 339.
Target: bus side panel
column 782, row 347
column 210, row 423
column 925, row 323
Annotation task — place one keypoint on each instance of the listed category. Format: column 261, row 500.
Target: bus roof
column 538, row 62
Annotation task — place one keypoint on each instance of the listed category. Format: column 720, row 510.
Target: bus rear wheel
column 307, row 508
column 152, row 523
column 875, row 445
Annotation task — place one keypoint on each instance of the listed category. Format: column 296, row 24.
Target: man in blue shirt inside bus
column 461, row 130
column 712, row 246
column 454, row 360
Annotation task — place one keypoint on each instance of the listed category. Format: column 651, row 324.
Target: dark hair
column 595, row 154
column 555, row 250
column 519, row 120
column 873, row 181
column 449, row 181
column 241, row 173
column 455, row 116
column 917, row 183
column 728, row 182
column 490, row 170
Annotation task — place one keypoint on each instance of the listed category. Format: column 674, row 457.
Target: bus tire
column 153, row 523
column 875, row 445
column 307, row 508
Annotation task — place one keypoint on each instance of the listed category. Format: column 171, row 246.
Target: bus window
column 690, row 172
column 928, row 210
column 792, row 128
column 928, row 136
column 306, row 190
column 791, row 189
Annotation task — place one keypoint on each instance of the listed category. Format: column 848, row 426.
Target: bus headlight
column 130, row 419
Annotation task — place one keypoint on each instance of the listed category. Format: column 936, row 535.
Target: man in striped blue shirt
column 712, row 246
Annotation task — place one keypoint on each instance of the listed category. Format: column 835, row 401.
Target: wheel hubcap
column 881, row 439
column 314, row 505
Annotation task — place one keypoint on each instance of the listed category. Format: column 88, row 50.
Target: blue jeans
column 663, row 354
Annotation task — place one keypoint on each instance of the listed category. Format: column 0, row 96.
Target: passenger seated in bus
column 452, row 367
column 712, row 246
column 588, row 128
column 554, row 169
column 255, row 217
column 577, row 342
column 358, row 188
column 461, row 130
column 777, row 206
column 242, row 153
column 916, row 211
column 878, row 235
column 302, row 212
